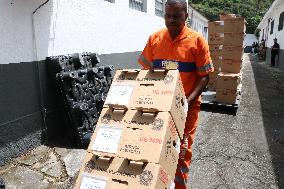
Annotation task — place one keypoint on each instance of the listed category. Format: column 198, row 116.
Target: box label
column 107, row 140
column 145, row 100
column 119, row 94
column 90, row 182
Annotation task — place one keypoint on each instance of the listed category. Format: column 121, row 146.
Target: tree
column 252, row 10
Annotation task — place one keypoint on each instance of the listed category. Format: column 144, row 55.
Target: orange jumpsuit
column 191, row 52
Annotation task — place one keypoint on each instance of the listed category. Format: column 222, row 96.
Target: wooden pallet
column 208, row 102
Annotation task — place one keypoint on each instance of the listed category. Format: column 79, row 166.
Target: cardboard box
column 228, row 81
column 227, row 26
column 233, row 39
column 231, row 66
column 228, row 96
column 215, row 39
column 162, row 91
column 211, row 86
column 216, row 54
column 122, row 88
column 212, row 81
column 217, row 63
column 227, row 17
column 216, row 27
column 215, row 50
column 149, row 90
column 149, row 137
column 120, row 173
column 234, row 26
column 232, row 52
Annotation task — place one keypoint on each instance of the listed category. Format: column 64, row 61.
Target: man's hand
column 201, row 84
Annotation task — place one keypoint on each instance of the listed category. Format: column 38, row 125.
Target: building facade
column 197, row 21
column 31, row 30
column 271, row 27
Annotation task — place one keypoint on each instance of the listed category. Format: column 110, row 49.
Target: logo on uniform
column 170, row 64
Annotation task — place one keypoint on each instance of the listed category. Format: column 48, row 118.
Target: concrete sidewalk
column 230, row 152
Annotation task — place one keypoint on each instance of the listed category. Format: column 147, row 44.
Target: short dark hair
column 182, row 2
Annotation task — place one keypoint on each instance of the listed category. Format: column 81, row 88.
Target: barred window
column 272, row 27
column 111, row 1
column 281, row 21
column 160, row 8
column 139, row 5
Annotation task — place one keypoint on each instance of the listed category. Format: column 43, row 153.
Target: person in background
column 256, row 48
column 189, row 51
column 253, row 47
column 274, row 52
column 262, row 50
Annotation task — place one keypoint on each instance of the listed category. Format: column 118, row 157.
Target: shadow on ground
column 270, row 86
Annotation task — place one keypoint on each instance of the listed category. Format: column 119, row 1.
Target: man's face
column 275, row 41
column 175, row 17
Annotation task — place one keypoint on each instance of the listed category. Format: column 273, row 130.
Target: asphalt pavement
column 245, row 151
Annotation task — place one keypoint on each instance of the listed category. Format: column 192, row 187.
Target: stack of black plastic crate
column 83, row 86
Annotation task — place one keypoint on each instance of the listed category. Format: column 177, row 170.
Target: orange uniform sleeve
column 203, row 60
column 146, row 58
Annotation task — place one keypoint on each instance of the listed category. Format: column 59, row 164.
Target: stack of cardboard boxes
column 137, row 139
column 226, row 47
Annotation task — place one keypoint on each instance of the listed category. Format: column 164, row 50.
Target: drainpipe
column 43, row 109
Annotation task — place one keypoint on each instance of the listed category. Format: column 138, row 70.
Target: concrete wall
column 20, row 114
column 198, row 22
column 249, row 39
column 20, row 106
column 16, row 33
column 115, row 31
column 95, row 26
column 273, row 16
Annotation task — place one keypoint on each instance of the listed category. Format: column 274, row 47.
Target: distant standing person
column 253, row 47
column 274, row 52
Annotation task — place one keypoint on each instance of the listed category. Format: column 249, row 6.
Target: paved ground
column 245, row 151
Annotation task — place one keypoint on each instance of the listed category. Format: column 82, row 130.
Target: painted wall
column 95, row 26
column 198, row 22
column 58, row 27
column 265, row 28
column 273, row 16
column 249, row 39
column 16, row 30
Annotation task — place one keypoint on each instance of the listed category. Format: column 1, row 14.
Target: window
column 160, row 8
column 111, row 1
column 281, row 21
column 262, row 33
column 139, row 5
column 272, row 27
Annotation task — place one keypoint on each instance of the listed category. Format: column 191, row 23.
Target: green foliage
column 252, row 10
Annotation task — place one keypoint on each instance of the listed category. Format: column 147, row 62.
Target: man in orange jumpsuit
column 189, row 50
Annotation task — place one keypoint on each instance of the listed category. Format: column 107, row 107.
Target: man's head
column 275, row 40
column 175, row 15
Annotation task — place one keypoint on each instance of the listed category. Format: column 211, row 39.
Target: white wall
column 249, row 39
column 93, row 25
column 199, row 22
column 274, row 15
column 16, row 30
